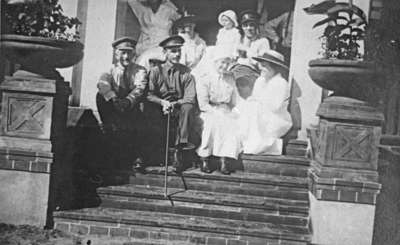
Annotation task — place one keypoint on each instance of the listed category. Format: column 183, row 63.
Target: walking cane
column 166, row 157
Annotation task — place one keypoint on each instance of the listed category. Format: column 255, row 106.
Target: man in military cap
column 172, row 90
column 120, row 91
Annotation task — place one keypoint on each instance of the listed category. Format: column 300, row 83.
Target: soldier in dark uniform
column 172, row 90
column 121, row 90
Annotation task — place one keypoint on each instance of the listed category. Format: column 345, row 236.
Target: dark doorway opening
column 207, row 12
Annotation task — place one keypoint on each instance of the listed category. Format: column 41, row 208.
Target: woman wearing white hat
column 216, row 94
column 264, row 118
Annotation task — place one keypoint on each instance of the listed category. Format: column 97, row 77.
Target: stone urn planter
column 39, row 56
column 347, row 78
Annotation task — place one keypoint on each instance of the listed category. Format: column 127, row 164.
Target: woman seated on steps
column 264, row 117
column 217, row 94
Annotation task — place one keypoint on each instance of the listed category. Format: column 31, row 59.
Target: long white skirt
column 220, row 133
column 260, row 129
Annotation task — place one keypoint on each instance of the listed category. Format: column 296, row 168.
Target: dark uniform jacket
column 173, row 83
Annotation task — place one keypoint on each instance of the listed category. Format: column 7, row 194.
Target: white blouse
column 154, row 27
column 252, row 49
column 228, row 39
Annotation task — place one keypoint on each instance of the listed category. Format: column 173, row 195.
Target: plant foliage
column 43, row 18
column 345, row 28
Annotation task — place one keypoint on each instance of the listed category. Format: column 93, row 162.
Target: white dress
column 228, row 40
column 217, row 96
column 264, row 118
column 154, row 27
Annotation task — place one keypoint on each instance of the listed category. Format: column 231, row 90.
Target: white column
column 100, row 31
column 70, row 10
column 305, row 47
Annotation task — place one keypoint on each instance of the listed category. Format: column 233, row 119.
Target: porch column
column 99, row 34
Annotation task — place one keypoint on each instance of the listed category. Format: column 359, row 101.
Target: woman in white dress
column 216, row 94
column 156, row 18
column 264, row 117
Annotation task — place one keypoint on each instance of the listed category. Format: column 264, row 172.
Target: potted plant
column 342, row 68
column 38, row 36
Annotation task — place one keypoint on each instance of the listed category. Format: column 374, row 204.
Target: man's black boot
column 177, row 161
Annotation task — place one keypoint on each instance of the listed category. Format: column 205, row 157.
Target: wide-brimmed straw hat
column 231, row 15
column 273, row 57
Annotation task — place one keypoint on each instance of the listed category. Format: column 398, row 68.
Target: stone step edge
column 231, row 178
column 280, row 207
column 282, row 159
column 290, row 193
column 69, row 215
column 282, row 218
column 141, row 235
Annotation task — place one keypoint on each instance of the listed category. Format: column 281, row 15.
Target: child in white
column 228, row 36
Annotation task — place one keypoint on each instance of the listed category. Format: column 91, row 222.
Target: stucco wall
column 23, row 197
column 339, row 223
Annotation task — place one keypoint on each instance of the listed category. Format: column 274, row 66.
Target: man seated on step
column 172, row 91
column 120, row 91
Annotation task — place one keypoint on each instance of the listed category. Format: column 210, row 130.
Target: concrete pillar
column 33, row 115
column 343, row 175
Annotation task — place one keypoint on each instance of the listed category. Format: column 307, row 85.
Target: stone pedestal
column 33, row 121
column 344, row 170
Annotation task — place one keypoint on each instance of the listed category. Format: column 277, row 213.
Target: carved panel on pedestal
column 26, row 115
column 320, row 146
column 352, row 143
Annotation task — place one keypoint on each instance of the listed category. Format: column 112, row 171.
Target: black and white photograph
column 200, row 122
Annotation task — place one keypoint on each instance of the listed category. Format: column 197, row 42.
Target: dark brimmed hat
column 124, row 43
column 273, row 57
column 172, row 42
column 249, row 16
column 185, row 20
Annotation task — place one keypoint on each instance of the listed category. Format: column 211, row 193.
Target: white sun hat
column 231, row 15
column 272, row 56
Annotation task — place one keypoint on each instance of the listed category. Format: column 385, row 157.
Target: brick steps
column 283, row 187
column 277, row 165
column 197, row 203
column 246, row 230
column 237, row 177
column 264, row 202
column 194, row 196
